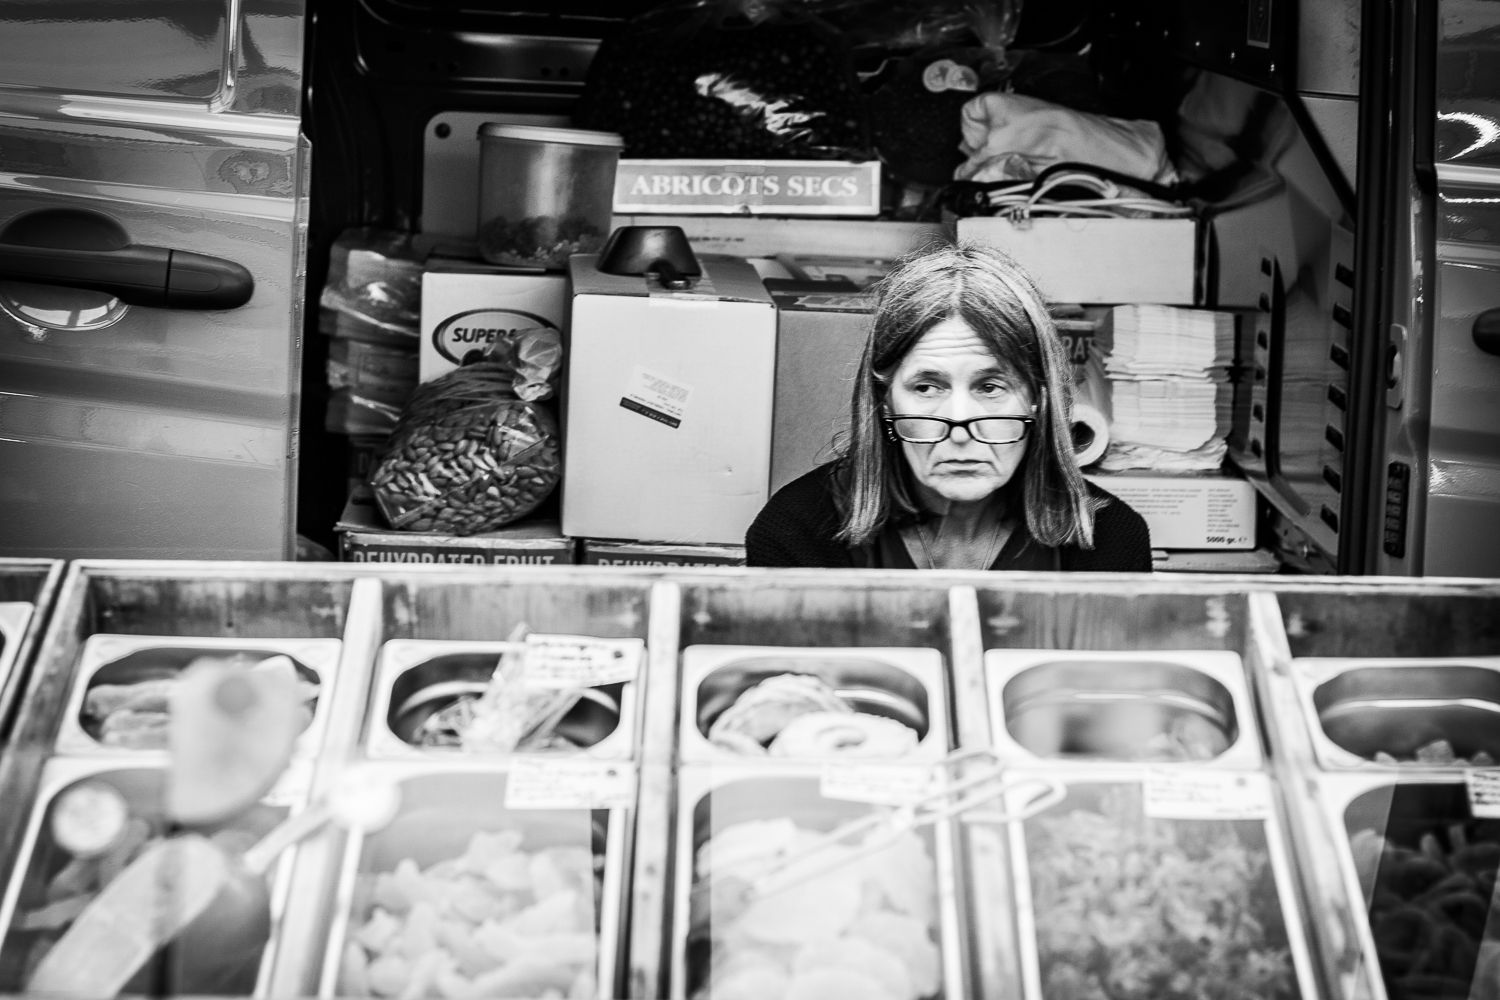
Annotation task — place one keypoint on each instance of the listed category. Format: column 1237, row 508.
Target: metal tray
column 143, row 786
column 442, row 807
column 124, row 659
column 1401, row 807
column 14, row 617
column 1076, row 708
column 1086, row 793
column 416, row 677
column 711, row 798
column 1357, row 707
column 901, row 683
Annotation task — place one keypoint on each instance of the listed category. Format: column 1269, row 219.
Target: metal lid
column 538, row 133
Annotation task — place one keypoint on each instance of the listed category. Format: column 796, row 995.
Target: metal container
column 176, row 970
column 416, row 678
column 1427, row 817
column 1076, row 708
column 1088, row 794
column 1358, row 708
column 14, row 617
column 903, row 684
column 442, row 808
column 711, row 799
column 130, row 659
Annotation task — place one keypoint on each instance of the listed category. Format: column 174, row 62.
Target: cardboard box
column 467, row 304
column 1188, row 512
column 598, row 552
column 820, row 332
column 667, row 404
column 1100, row 260
column 748, row 236
column 748, row 187
column 364, row 537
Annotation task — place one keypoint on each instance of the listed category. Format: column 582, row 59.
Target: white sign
column 1184, row 793
column 1484, row 793
column 883, row 784
column 571, row 661
column 569, row 784
column 656, row 397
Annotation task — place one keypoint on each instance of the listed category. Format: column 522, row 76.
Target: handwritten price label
column 1193, row 794
column 882, row 784
column 1484, row 793
column 569, row 784
column 581, row 661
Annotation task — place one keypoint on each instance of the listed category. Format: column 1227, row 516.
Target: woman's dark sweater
column 797, row 528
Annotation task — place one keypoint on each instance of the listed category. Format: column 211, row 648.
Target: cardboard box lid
column 726, row 278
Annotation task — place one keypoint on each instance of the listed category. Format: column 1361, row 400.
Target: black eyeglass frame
column 889, row 419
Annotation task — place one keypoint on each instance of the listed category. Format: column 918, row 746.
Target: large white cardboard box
column 1211, row 511
column 1100, row 260
column 667, row 404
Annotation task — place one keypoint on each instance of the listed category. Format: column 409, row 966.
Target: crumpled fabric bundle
column 1015, row 137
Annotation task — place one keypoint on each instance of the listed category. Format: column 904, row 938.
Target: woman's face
column 951, row 373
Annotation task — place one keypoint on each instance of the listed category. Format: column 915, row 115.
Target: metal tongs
column 722, row 896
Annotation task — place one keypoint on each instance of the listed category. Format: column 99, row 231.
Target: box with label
column 820, row 332
column 1100, row 260
column 747, row 187
column 467, row 304
column 532, row 541
column 600, row 552
column 1210, row 511
column 667, row 404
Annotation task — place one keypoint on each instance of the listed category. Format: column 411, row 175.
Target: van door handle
column 1487, row 331
column 81, row 249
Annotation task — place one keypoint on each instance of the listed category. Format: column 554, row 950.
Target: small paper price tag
column 581, row 660
column 1193, row 794
column 882, row 784
column 569, row 784
column 1484, row 793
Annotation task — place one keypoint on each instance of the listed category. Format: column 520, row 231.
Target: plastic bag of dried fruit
column 469, row 453
column 727, row 78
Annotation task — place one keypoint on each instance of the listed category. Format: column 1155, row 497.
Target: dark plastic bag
column 701, row 78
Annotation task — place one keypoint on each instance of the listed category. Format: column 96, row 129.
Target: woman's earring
column 890, row 432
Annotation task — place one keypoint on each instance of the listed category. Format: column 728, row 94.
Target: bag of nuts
column 468, row 454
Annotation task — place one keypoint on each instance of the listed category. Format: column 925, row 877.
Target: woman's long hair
column 992, row 294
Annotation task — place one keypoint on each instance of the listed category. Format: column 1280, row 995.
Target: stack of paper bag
column 1170, row 397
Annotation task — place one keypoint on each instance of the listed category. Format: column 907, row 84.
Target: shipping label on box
column 820, row 334
column 667, row 405
column 1188, row 512
column 364, row 537
column 748, row 187
column 467, row 307
column 1100, row 260
column 597, row 552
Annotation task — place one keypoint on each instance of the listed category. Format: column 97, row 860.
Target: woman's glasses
column 931, row 430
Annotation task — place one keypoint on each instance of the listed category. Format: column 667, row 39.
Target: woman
column 960, row 453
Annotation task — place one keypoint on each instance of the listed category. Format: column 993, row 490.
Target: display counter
column 715, row 782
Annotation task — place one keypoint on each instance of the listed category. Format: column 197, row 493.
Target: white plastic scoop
column 188, row 891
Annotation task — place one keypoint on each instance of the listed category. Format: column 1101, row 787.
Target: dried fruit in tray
column 799, row 715
column 1431, row 908
column 1129, row 907
column 1438, row 752
column 503, row 919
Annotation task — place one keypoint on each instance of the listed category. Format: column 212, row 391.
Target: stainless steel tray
column 904, row 683
column 1076, row 708
column 415, row 677
column 14, row 617
column 442, row 808
column 1086, row 793
column 712, row 798
column 1355, row 708
column 1402, row 806
column 124, row 659
column 142, row 783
